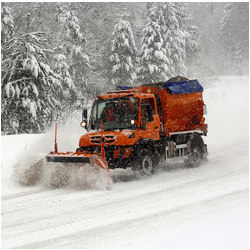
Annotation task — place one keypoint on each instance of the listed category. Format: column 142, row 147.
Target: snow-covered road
column 205, row 207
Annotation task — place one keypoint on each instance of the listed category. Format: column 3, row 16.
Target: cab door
column 150, row 119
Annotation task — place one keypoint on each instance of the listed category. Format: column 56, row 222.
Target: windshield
column 117, row 113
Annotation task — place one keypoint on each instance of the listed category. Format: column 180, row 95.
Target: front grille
column 95, row 139
column 107, row 139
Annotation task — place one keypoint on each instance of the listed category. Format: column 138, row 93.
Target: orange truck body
column 178, row 113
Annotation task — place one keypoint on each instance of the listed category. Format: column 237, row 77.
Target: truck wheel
column 197, row 152
column 145, row 163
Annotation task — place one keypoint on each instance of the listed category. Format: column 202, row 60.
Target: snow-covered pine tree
column 189, row 35
column 234, row 32
column 7, row 30
column 166, row 26
column 179, row 34
column 68, row 90
column 153, row 62
column 78, row 60
column 38, row 9
column 171, row 33
column 192, row 44
column 179, row 38
column 123, row 54
column 28, row 84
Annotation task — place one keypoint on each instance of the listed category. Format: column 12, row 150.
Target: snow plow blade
column 77, row 158
column 80, row 160
column 68, row 157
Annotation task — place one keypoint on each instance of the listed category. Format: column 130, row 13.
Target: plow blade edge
column 77, row 157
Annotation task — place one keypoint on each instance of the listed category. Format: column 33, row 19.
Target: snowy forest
column 56, row 57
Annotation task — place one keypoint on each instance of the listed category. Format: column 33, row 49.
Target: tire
column 197, row 152
column 145, row 162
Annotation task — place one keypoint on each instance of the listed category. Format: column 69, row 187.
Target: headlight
column 132, row 122
column 83, row 124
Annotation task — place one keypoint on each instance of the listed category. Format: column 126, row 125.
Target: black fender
column 145, row 144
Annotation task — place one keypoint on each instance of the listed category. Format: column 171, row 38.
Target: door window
column 147, row 109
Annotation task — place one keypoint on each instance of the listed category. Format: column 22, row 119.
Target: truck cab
column 129, row 120
column 125, row 112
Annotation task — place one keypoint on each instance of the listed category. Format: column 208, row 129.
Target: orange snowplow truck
column 147, row 125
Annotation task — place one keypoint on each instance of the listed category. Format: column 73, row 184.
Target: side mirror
column 84, row 123
column 85, row 114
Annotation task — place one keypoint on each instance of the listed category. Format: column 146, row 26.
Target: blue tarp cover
column 124, row 87
column 183, row 87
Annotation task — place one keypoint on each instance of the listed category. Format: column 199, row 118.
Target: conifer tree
column 166, row 27
column 7, row 31
column 192, row 45
column 180, row 36
column 28, row 84
column 123, row 54
column 234, row 32
column 77, row 61
column 179, row 39
column 188, row 39
column 153, row 62
column 65, row 95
